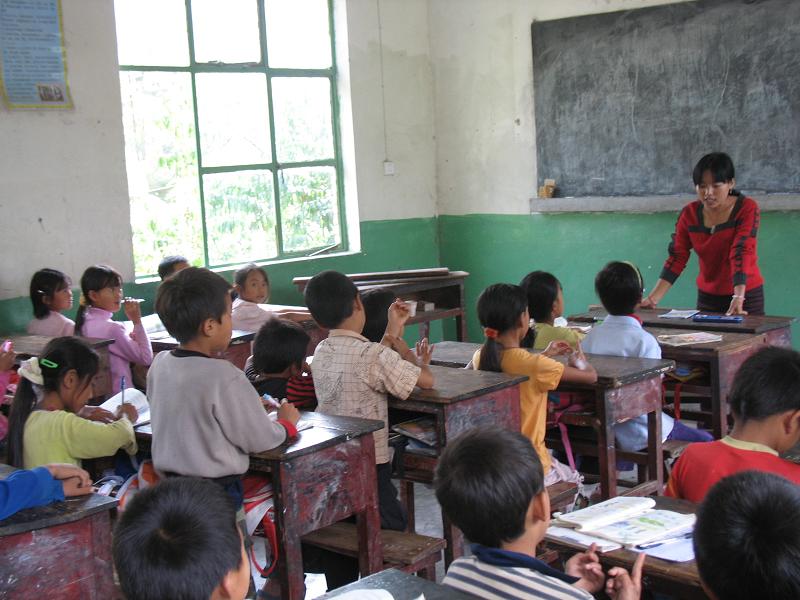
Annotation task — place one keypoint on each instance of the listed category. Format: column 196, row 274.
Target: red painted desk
column 625, row 388
column 401, row 586
column 238, row 350
column 461, row 400
column 60, row 550
column 326, row 475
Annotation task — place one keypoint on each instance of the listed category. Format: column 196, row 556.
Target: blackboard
column 627, row 102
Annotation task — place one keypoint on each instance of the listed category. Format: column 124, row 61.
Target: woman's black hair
column 94, row 279
column 59, row 356
column 44, row 284
column 376, row 312
column 499, row 308
column 719, row 165
column 240, row 277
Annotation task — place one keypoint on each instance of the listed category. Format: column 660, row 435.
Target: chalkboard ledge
column 650, row 204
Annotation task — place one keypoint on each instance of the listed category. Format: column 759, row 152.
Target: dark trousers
column 753, row 302
column 340, row 569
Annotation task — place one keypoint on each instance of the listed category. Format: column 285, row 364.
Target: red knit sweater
column 726, row 252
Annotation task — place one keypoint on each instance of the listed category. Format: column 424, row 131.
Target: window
column 231, row 129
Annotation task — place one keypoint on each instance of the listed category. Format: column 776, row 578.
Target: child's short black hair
column 329, row 296
column 188, row 298
column 767, row 383
column 44, row 284
column 278, row 345
column 376, row 312
column 542, row 291
column 619, row 286
column 176, row 541
column 485, row 482
column 168, row 264
column 747, row 537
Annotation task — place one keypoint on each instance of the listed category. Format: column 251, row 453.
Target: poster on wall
column 33, row 68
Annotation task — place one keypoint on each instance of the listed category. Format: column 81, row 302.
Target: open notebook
column 132, row 396
column 628, row 521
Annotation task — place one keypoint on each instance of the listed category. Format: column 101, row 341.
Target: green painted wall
column 386, row 245
column 574, row 247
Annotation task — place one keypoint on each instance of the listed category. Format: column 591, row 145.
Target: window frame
column 274, row 167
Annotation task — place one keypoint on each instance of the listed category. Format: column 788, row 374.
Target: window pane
column 309, row 210
column 240, row 216
column 225, row 31
column 152, row 32
column 298, row 34
column 162, row 167
column 233, row 118
column 303, row 125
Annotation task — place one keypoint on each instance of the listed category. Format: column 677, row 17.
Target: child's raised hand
column 424, row 351
column 622, row 586
column 7, row 356
column 398, row 315
column 133, row 311
column 578, row 359
column 289, row 412
column 557, row 348
column 586, row 566
column 128, row 410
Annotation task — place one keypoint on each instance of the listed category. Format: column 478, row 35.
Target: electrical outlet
column 388, row 167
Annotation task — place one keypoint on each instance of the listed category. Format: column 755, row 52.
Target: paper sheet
column 681, row 551
column 132, row 396
column 679, row 314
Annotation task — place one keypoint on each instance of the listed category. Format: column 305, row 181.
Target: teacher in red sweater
column 721, row 227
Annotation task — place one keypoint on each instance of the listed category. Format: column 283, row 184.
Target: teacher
column 721, row 227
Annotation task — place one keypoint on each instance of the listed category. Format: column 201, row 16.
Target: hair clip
column 490, row 333
column 46, row 362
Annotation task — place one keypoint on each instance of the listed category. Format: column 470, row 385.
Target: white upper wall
column 63, row 186
column 483, row 74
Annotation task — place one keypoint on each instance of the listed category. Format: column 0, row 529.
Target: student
column 252, row 288
column 489, row 482
column 619, row 286
column 51, row 292
column 44, row 426
column 101, row 297
column 352, row 376
column 545, row 305
column 278, row 365
column 178, row 540
column 42, row 485
column 747, row 538
column 171, row 265
column 765, row 402
column 503, row 314
column 206, row 417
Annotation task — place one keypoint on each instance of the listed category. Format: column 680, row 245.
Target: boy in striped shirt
column 489, row 482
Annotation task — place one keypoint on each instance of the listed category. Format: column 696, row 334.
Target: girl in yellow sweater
column 44, row 426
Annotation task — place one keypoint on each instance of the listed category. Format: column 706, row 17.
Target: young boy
column 765, row 402
column 747, row 538
column 352, row 376
column 619, row 286
column 171, row 265
column 490, row 483
column 179, row 540
column 279, row 361
column 206, row 417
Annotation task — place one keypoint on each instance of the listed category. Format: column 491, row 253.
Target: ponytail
column 45, row 374
column 499, row 309
column 94, row 279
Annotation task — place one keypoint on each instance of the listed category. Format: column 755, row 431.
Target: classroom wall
column 64, row 199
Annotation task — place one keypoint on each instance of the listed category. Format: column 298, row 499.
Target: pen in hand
column 122, row 389
column 678, row 538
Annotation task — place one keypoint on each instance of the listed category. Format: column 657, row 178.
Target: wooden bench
column 408, row 552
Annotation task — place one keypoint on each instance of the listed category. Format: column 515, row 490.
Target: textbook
column 423, row 430
column 628, row 521
column 134, row 397
column 687, row 339
column 678, row 314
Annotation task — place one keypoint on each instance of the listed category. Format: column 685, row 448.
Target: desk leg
column 370, row 554
column 655, row 457
column 290, row 558
column 607, row 453
column 455, row 541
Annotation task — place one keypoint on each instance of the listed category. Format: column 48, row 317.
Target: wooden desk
column 327, row 474
column 626, row 387
column 60, row 550
column 402, row 587
column 441, row 286
column 680, row 580
column 722, row 360
column 238, row 350
column 776, row 329
column 461, row 400
column 27, row 346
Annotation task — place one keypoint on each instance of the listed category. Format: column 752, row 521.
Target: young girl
column 51, row 292
column 101, row 297
column 44, row 427
column 545, row 305
column 503, row 313
column 251, row 284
